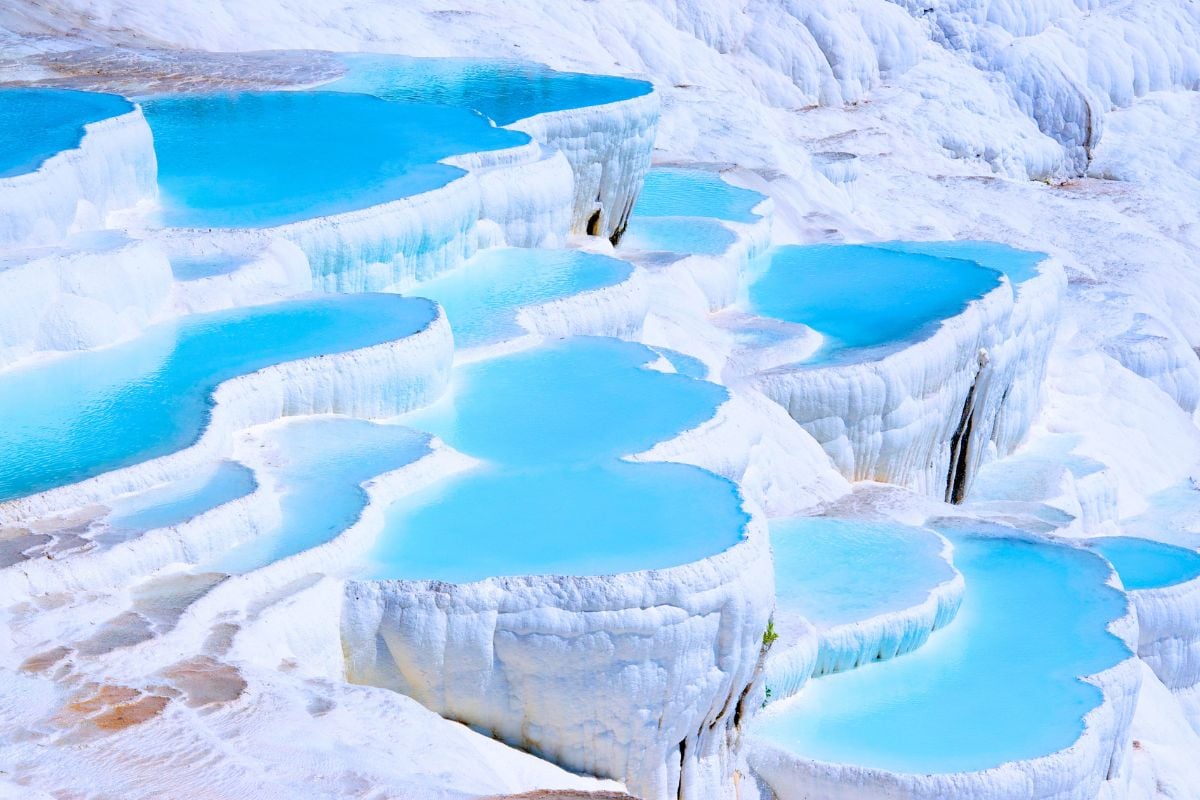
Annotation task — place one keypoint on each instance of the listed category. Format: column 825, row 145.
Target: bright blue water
column 182, row 500
column 1146, row 564
column 676, row 192
column 504, row 91
column 482, row 298
column 686, row 235
column 858, row 296
column 1018, row 265
column 323, row 464
column 91, row 412
column 835, row 571
column 553, row 497
column 999, row 683
column 259, row 159
column 37, row 123
column 686, row 365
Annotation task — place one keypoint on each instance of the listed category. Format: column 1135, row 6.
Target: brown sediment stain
column 110, row 708
column 206, row 681
column 43, row 661
column 120, row 717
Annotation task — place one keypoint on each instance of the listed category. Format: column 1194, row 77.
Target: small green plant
column 766, row 696
column 769, row 635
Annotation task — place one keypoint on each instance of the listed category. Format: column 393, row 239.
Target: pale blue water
column 324, row 462
column 37, row 123
column 91, row 412
column 194, row 268
column 482, row 298
column 504, row 91
column 553, row 497
column 1018, row 265
column 1146, row 564
column 835, row 571
column 686, row 365
column 678, row 192
column 685, row 235
column 259, row 159
column 999, row 683
column 184, row 499
column 860, row 297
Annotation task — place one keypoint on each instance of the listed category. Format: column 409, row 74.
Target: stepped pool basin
column 1018, row 265
column 91, row 412
column 180, row 501
column 322, row 464
column 1000, row 683
column 504, row 91
column 35, row 124
column 861, row 297
column 263, row 159
column 840, row 571
column 554, row 496
column 1146, row 564
column 683, row 235
column 683, row 192
column 482, row 298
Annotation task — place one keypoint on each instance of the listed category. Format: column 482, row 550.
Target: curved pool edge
column 403, row 374
column 112, row 169
column 1076, row 772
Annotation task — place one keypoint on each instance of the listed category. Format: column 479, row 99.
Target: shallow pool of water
column 1000, row 683
column 504, row 91
column 684, row 235
column 37, row 123
column 837, row 571
column 682, row 192
column 90, row 412
column 554, row 496
column 260, row 159
column 182, row 500
column 483, row 297
column 323, row 464
column 862, row 297
column 1146, row 564
column 1018, row 265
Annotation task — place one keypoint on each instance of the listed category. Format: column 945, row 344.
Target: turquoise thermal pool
column 1146, row 564
column 35, row 124
column 682, row 192
column 554, row 496
column 323, row 464
column 864, row 297
column 504, row 91
column 839, row 571
column 1000, row 683
column 180, row 501
column 481, row 299
column 1018, row 265
column 684, row 235
column 262, row 159
column 91, row 412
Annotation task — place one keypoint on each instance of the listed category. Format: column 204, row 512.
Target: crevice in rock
column 957, row 478
column 682, row 761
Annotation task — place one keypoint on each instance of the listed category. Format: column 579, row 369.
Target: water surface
column 35, row 124
column 1146, row 564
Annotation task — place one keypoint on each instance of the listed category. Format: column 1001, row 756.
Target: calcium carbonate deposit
column 660, row 399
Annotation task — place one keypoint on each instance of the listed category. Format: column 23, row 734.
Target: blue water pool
column 685, row 235
column 860, row 297
column 182, row 500
column 323, row 463
column 504, row 91
column 91, row 412
column 686, row 365
column 1146, row 564
column 37, row 123
column 1018, row 265
column 837, row 571
column 259, row 159
column 553, row 495
column 482, row 298
column 680, row 192
column 1000, row 683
